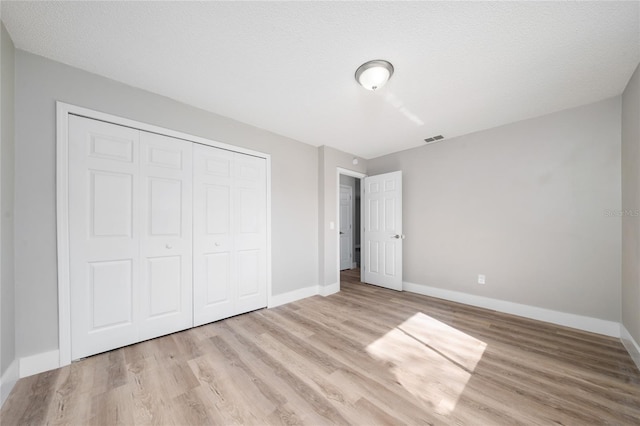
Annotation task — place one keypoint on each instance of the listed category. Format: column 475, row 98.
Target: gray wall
column 528, row 205
column 329, row 160
column 39, row 83
column 631, row 206
column 7, row 285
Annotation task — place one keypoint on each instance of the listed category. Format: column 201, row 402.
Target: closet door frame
column 63, row 111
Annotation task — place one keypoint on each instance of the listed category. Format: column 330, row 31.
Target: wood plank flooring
column 364, row 356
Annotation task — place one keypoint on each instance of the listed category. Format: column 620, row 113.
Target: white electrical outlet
column 481, row 279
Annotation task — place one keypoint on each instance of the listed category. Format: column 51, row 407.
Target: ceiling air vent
column 434, row 139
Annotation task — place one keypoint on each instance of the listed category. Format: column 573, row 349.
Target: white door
column 166, row 176
column 383, row 230
column 229, row 255
column 212, row 229
column 346, row 227
column 135, row 200
column 104, row 235
column 250, row 232
column 130, row 235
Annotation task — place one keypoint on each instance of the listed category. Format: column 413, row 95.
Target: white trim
column 351, row 173
column 34, row 364
column 8, row 380
column 62, row 205
column 292, row 296
column 115, row 119
column 62, row 231
column 303, row 293
column 268, row 225
column 330, row 289
column 630, row 345
column 594, row 325
column 357, row 175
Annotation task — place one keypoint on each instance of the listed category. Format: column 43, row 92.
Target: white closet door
column 229, row 234
column 249, row 210
column 104, row 235
column 164, row 234
column 213, row 260
column 166, row 225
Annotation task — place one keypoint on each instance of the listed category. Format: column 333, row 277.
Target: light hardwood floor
column 364, row 356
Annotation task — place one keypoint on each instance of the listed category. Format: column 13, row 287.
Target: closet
column 164, row 234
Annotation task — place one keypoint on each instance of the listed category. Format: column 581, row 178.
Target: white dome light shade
column 373, row 75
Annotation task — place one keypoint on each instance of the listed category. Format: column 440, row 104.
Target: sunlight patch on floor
column 431, row 360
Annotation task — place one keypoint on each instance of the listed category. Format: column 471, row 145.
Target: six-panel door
column 249, row 232
column 165, row 235
column 104, row 229
column 383, row 230
column 213, row 251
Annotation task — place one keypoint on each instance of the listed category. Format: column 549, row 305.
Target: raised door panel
column 165, row 207
column 110, row 294
column 217, row 279
column 166, row 235
column 214, row 270
column 165, row 278
column 104, row 235
column 249, row 281
column 110, row 204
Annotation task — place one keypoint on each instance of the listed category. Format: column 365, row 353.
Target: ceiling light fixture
column 373, row 75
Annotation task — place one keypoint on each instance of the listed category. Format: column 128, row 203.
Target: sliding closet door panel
column 250, row 232
column 213, row 260
column 166, row 235
column 104, row 235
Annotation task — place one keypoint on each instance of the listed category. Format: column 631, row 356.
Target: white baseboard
column 630, row 344
column 302, row 293
column 594, row 325
column 292, row 296
column 38, row 363
column 330, row 289
column 8, row 380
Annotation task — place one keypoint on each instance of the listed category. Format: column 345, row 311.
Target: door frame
column 352, row 202
column 357, row 175
column 63, row 110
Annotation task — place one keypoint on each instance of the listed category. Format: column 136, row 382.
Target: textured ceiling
column 288, row 67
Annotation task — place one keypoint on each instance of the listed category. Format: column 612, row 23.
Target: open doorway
column 350, row 254
column 378, row 257
column 349, row 222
